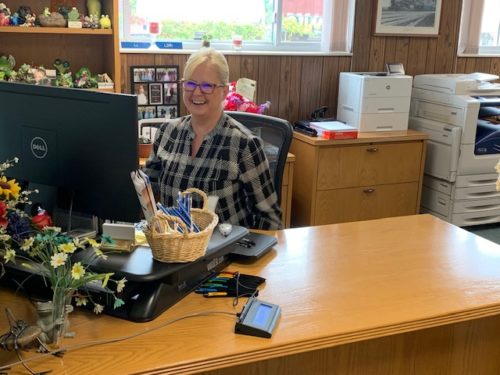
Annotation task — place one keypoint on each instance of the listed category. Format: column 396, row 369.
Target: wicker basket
column 174, row 247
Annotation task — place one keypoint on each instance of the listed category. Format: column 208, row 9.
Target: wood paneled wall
column 296, row 85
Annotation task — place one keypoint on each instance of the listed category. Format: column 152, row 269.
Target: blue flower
column 18, row 227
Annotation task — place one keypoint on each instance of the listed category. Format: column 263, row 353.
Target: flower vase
column 52, row 316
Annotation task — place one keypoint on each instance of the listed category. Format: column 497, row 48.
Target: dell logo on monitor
column 39, row 147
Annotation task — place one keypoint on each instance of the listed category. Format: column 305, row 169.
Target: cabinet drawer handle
column 369, row 190
column 372, row 149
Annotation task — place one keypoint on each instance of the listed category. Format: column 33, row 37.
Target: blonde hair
column 211, row 56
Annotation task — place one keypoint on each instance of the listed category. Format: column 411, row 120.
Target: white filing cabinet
column 374, row 102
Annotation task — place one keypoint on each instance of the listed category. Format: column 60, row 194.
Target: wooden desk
column 286, row 188
column 406, row 295
column 377, row 175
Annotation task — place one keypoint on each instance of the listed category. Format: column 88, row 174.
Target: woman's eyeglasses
column 205, row 87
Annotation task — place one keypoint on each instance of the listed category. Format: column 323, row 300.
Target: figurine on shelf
column 64, row 10
column 24, row 12
column 74, row 19
column 51, row 19
column 105, row 22
column 29, row 21
column 7, row 64
column 64, row 76
column 25, row 74
column 94, row 8
column 105, row 82
column 90, row 22
column 4, row 20
column 84, row 79
column 15, row 20
column 4, row 15
column 4, row 9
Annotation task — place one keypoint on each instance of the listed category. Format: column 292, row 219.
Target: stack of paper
column 144, row 193
column 334, row 130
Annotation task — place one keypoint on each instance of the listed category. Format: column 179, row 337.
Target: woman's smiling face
column 200, row 104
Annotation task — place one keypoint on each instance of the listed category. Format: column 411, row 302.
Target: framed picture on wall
column 157, row 91
column 407, row 17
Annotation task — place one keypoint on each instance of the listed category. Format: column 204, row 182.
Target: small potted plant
column 145, row 146
column 206, row 40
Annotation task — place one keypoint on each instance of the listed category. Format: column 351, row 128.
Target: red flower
column 3, row 209
column 3, row 214
column 42, row 220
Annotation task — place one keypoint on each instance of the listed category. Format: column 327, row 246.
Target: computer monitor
column 76, row 144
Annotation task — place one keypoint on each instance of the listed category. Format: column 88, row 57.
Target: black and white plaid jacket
column 230, row 164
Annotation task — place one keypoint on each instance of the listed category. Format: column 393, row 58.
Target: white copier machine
column 461, row 115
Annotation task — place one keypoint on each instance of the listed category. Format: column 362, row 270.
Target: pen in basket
column 185, row 202
column 181, row 213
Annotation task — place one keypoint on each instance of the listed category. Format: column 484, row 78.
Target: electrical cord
column 112, row 340
column 238, row 284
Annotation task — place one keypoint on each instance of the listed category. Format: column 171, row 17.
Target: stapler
column 302, row 126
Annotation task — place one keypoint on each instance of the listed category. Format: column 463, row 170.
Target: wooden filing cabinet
column 377, row 175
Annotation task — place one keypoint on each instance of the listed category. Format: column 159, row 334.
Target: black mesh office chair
column 277, row 135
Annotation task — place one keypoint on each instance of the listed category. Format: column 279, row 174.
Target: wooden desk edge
column 364, row 137
column 328, row 342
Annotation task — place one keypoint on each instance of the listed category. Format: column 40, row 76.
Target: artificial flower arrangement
column 237, row 102
column 42, row 248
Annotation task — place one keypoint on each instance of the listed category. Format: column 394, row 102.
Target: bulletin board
column 157, row 90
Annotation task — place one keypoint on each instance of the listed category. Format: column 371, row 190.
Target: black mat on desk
column 260, row 245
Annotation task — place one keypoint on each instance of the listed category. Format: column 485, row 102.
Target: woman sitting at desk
column 210, row 151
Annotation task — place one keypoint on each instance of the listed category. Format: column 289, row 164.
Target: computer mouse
column 225, row 229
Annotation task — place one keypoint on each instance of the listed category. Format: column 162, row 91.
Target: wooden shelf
column 54, row 30
column 95, row 49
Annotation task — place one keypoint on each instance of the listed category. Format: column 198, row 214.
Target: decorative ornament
column 51, row 19
column 94, row 8
column 105, row 22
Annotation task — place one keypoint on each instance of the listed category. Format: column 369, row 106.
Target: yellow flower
column 27, row 243
column 8, row 188
column 77, row 271
column 68, row 248
column 9, row 255
column 58, row 259
column 100, row 254
column 78, row 243
column 93, row 243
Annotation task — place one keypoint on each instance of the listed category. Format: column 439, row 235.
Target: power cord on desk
column 255, row 293
column 109, row 341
